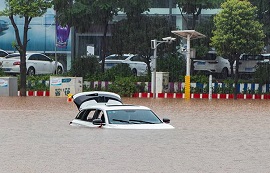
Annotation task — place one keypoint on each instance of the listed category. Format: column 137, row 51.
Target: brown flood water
column 209, row 136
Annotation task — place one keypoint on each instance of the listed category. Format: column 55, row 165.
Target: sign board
column 8, row 86
column 162, row 82
column 63, row 86
column 90, row 50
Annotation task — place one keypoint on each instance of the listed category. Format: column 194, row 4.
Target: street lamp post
column 154, row 45
column 189, row 35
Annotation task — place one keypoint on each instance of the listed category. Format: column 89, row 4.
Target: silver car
column 135, row 62
column 36, row 63
column 213, row 64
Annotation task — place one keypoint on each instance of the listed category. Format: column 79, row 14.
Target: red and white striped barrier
column 36, row 93
column 202, row 96
column 173, row 95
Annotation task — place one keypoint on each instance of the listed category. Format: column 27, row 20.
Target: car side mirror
column 166, row 120
column 97, row 122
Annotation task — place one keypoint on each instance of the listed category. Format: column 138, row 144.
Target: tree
column 134, row 8
column 84, row 14
column 27, row 10
column 194, row 8
column 236, row 32
column 135, row 35
column 263, row 15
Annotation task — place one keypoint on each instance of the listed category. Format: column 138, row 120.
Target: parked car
column 135, row 62
column 213, row 64
column 36, row 63
column 3, row 53
column 3, row 25
column 248, row 63
column 99, row 109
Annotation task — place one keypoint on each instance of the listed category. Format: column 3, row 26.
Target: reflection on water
column 210, row 136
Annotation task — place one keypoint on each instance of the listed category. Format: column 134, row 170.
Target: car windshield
column 208, row 56
column 116, row 57
column 252, row 57
column 132, row 117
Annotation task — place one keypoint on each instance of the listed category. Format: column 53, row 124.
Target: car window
column 116, row 57
column 132, row 117
column 266, row 56
column 33, row 57
column 85, row 114
column 90, row 115
column 137, row 58
column 208, row 56
column 12, row 55
column 43, row 58
column 3, row 54
column 252, row 57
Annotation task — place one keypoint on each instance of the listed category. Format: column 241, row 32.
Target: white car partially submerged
column 105, row 110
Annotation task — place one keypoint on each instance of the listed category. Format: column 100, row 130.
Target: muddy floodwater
column 230, row 136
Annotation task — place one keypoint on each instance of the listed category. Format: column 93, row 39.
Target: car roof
column 126, row 54
column 16, row 54
column 106, row 107
column 117, row 55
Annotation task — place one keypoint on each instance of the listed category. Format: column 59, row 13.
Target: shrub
column 175, row 64
column 262, row 73
column 120, row 70
column 124, row 86
column 86, row 65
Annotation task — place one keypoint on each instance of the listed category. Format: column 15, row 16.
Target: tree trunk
column 21, row 47
column 23, row 69
column 23, row 73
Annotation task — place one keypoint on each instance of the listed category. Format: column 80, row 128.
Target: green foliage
column 30, row 8
column 133, row 35
column 262, row 74
column 194, row 8
column 2, row 73
column 263, row 15
column 36, row 83
column 205, row 26
column 134, row 8
column 228, row 86
column 125, row 86
column 200, row 79
column 27, row 10
column 175, row 64
column 85, row 66
column 237, row 30
column 118, row 71
column 82, row 14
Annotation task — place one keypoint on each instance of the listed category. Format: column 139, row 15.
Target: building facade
column 43, row 33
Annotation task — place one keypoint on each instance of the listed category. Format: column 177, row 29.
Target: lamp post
column 154, row 45
column 189, row 35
